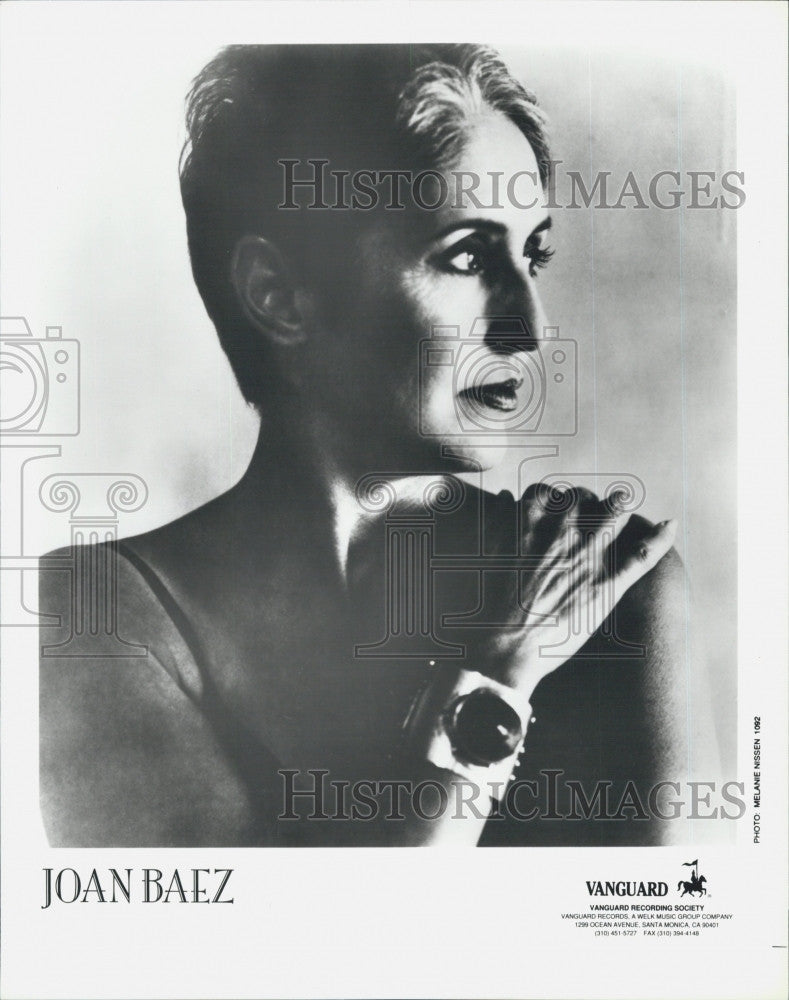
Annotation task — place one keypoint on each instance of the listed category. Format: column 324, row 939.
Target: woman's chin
column 470, row 455
column 437, row 454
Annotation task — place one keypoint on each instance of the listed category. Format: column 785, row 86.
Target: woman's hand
column 549, row 569
column 570, row 571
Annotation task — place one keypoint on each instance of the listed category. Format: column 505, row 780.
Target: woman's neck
column 329, row 505
column 291, row 472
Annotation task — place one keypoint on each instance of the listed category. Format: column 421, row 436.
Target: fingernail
column 670, row 525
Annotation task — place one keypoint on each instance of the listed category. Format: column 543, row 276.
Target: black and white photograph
column 393, row 441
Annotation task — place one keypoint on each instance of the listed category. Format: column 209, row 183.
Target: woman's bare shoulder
column 127, row 755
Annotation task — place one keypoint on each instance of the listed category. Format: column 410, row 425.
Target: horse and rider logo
column 696, row 884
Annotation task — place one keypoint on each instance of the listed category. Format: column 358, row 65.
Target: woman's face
column 417, row 369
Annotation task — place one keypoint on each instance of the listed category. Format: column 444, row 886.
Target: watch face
column 483, row 728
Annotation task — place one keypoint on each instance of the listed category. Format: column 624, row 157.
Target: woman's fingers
column 578, row 550
column 587, row 563
column 591, row 593
column 604, row 536
column 594, row 528
column 645, row 554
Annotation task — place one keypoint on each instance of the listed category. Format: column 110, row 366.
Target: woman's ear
column 266, row 291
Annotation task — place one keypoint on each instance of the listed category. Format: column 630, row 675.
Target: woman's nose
column 517, row 320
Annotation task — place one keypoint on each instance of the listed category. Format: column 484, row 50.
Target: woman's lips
column 501, row 396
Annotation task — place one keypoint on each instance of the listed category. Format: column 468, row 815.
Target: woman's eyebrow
column 487, row 225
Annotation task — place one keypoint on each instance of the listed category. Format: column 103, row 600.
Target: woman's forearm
column 463, row 737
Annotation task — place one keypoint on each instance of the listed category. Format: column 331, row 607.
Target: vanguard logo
column 627, row 888
column 696, row 884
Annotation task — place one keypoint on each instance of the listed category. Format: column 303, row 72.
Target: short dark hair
column 358, row 106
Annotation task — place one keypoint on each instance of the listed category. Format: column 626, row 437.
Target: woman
column 264, row 612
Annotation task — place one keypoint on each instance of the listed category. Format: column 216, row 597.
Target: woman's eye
column 467, row 262
column 468, row 256
column 537, row 255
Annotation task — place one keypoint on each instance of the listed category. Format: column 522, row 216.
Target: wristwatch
column 470, row 724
